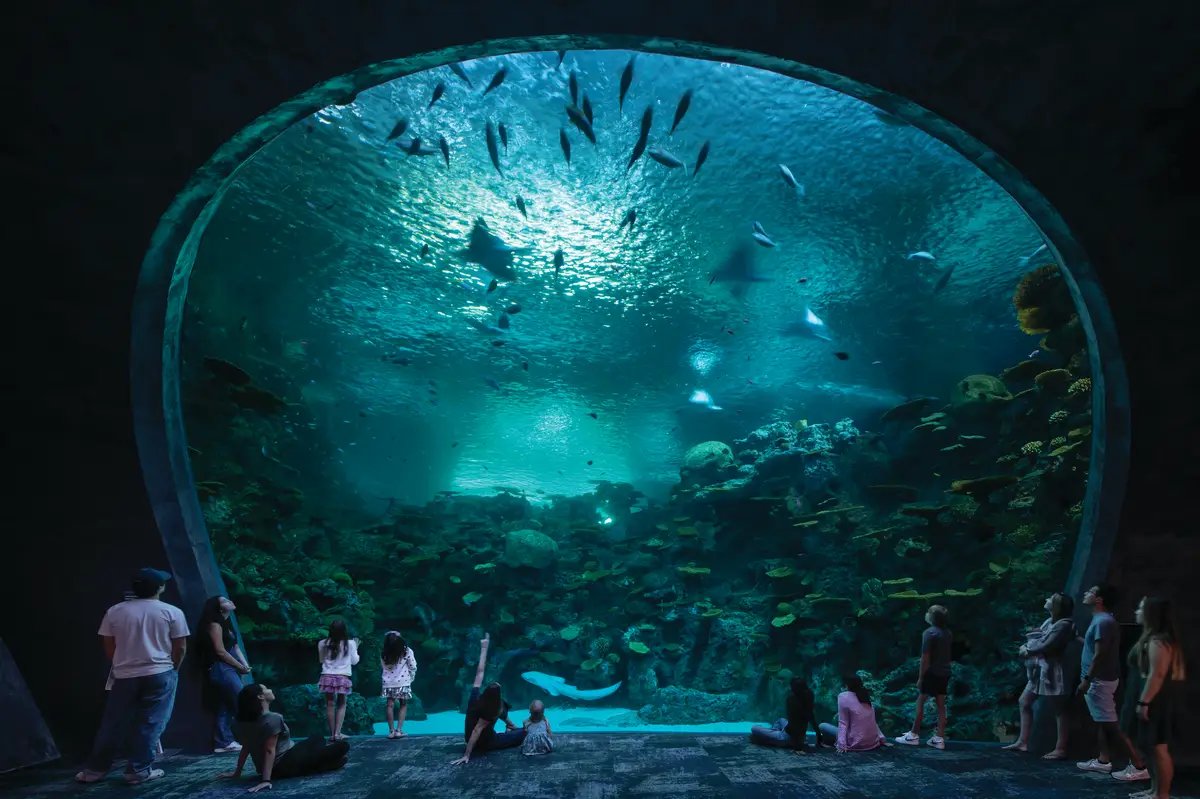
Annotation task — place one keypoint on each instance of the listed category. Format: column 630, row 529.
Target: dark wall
column 116, row 106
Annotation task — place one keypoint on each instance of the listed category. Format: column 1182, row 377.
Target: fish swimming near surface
column 415, row 147
column 943, row 280
column 573, row 87
column 438, row 91
column 493, row 149
column 492, row 286
column 425, row 251
column 504, row 323
column 763, row 239
column 586, row 105
column 758, row 228
column 923, row 255
column 701, row 158
column 810, row 326
column 626, row 82
column 557, row 686
column 630, row 219
column 643, row 137
column 558, row 261
column 513, row 310
column 739, row 270
column 485, row 328
column 702, row 397
column 1025, row 259
column 580, row 120
column 665, row 158
column 490, row 252
column 521, row 206
column 503, row 131
column 565, row 143
column 491, row 382
column 398, row 129
column 445, row 148
column 790, row 179
column 497, row 79
column 457, row 69
column 681, row 110
column 561, row 55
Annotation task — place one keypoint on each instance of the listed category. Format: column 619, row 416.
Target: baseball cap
column 151, row 578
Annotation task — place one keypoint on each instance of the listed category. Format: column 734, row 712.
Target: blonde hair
column 938, row 615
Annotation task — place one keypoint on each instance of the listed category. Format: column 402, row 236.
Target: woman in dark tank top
column 224, row 666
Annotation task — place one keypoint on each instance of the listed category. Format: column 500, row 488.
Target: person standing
column 1159, row 670
column 224, row 666
column 146, row 639
column 1101, row 670
column 1043, row 651
column 933, row 679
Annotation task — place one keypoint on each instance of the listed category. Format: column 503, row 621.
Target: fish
column 504, row 323
column 811, row 326
column 665, row 158
column 513, row 310
column 763, row 239
column 643, row 137
column 594, row 416
column 438, row 91
column 398, row 129
column 525, row 365
column 503, row 136
column 561, row 55
column 497, row 343
column 416, row 148
column 491, row 382
column 485, row 328
column 758, row 228
column 842, row 356
column 580, row 120
column 630, row 219
column 493, row 151
column 586, row 105
column 558, row 260
column 925, row 256
column 681, row 110
column 702, row 397
column 445, row 148
column 573, row 87
column 1024, row 262
column 790, row 179
column 557, row 686
column 490, row 252
column 457, row 69
column 943, row 280
column 565, row 143
column 953, row 447
column 425, row 251
column 738, row 268
column 497, row 79
column 492, row 286
column 701, row 158
column 626, row 82
column 521, row 206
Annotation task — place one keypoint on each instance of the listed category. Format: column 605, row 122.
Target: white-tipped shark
column 557, row 686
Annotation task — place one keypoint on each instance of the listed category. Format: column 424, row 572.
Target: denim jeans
column 226, row 684
column 141, row 705
column 775, row 735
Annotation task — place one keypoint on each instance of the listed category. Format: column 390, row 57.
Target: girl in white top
column 338, row 653
column 399, row 669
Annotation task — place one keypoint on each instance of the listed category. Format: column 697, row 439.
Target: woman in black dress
column 1157, row 671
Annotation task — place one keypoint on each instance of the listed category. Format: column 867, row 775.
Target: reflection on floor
column 589, row 765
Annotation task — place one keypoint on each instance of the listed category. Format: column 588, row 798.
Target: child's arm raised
column 483, row 650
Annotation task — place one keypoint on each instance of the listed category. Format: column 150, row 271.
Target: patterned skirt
column 397, row 692
column 334, row 684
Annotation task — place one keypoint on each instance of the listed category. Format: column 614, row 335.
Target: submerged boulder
column 978, row 394
column 673, row 705
column 529, row 548
column 709, row 462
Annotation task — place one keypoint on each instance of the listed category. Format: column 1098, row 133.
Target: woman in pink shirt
column 856, row 729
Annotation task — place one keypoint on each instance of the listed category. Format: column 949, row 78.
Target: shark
column 557, row 686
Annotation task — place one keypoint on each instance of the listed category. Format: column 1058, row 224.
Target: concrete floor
column 610, row 765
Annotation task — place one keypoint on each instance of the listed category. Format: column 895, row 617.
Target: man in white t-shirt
column 146, row 640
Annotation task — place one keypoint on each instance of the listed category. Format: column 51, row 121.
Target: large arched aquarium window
column 678, row 378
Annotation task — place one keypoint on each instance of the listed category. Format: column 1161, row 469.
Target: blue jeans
column 775, row 735
column 500, row 740
column 146, row 704
column 226, row 684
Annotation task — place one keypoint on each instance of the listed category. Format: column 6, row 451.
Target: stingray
column 738, row 269
column 490, row 252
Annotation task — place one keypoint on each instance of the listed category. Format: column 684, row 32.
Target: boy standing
column 933, row 678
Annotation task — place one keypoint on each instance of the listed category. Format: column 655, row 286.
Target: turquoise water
column 567, row 721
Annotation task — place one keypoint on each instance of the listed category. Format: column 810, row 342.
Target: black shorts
column 933, row 685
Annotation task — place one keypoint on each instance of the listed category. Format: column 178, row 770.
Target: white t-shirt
column 143, row 629
column 340, row 663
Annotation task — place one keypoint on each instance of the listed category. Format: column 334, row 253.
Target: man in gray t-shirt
column 1100, row 667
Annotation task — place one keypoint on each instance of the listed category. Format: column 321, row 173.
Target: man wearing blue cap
column 146, row 640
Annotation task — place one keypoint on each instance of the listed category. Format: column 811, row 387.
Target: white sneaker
column 936, row 742
column 1131, row 773
column 138, row 779
column 224, row 750
column 1095, row 765
column 908, row 738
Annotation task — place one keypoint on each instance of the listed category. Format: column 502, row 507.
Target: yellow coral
column 1054, row 381
column 1037, row 287
column 1033, row 447
column 1023, row 536
column 1058, row 417
column 1058, row 441
column 1009, row 458
column 1080, row 386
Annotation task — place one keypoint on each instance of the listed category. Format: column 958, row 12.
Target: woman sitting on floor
column 856, row 729
column 483, row 711
column 266, row 739
column 790, row 732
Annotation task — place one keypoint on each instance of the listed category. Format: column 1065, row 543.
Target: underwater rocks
column 707, row 463
column 729, row 661
column 529, row 548
column 673, row 705
column 978, row 395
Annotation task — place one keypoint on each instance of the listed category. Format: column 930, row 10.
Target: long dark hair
column 337, row 635
column 800, row 688
column 1062, row 607
column 854, row 685
column 1158, row 624
column 490, row 702
column 211, row 614
column 394, row 648
column 249, row 702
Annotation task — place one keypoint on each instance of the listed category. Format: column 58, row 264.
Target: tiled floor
column 609, row 765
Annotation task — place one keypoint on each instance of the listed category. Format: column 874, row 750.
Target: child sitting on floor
column 539, row 740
